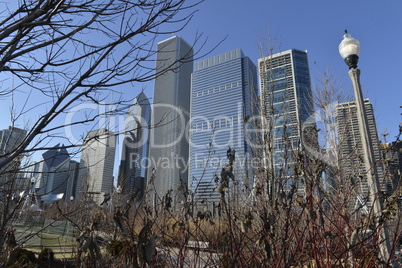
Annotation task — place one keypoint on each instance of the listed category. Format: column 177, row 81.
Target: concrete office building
column 393, row 164
column 96, row 167
column 351, row 152
column 168, row 150
column 10, row 139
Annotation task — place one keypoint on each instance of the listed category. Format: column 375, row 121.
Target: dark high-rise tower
column 54, row 171
column 134, row 157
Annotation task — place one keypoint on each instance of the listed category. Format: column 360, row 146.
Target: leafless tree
column 67, row 52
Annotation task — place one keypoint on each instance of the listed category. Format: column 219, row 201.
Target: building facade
column 53, row 171
column 73, row 172
column 287, row 105
column 168, row 149
column 351, row 152
column 10, row 180
column 393, row 165
column 135, row 149
column 96, row 166
column 10, row 138
column 224, row 95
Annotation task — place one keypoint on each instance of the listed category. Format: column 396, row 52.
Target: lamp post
column 118, row 191
column 33, row 180
column 349, row 49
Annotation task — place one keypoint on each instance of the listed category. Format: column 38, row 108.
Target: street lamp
column 349, row 49
column 118, row 191
column 32, row 189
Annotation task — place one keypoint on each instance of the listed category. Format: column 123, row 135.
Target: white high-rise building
column 96, row 167
column 351, row 152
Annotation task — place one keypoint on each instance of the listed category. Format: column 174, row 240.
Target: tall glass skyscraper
column 168, row 148
column 224, row 95
column 134, row 157
column 287, row 103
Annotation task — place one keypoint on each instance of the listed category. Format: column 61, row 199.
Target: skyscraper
column 54, row 171
column 73, row 172
column 287, row 103
column 351, row 154
column 96, row 167
column 134, row 157
column 168, row 149
column 224, row 95
column 10, row 139
column 393, row 155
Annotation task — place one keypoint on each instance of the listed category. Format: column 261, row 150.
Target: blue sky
column 315, row 26
column 318, row 27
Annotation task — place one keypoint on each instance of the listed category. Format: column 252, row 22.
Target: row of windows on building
column 276, row 62
column 210, row 165
column 228, row 122
column 216, row 89
column 218, row 59
column 278, row 96
column 279, row 84
column 215, row 162
column 277, row 73
column 215, row 124
column 281, row 108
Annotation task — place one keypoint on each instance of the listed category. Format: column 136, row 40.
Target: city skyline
column 320, row 39
column 200, row 133
column 272, row 72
